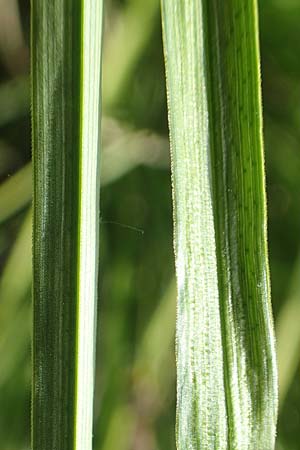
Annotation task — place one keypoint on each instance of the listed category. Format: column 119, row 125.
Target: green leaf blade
column 226, row 371
column 66, row 51
column 89, row 214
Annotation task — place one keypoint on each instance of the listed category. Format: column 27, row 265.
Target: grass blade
column 288, row 335
column 226, row 371
column 15, row 193
column 14, row 100
column 66, row 51
column 137, row 20
column 15, row 313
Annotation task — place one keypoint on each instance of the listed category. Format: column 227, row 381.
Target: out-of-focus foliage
column 135, row 373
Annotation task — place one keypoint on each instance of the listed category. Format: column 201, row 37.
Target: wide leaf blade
column 226, row 371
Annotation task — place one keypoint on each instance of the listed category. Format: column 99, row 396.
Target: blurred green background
column 135, row 373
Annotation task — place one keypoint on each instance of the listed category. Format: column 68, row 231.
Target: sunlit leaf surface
column 226, row 374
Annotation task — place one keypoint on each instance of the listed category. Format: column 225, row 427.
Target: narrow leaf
column 66, row 51
column 288, row 335
column 15, row 311
column 226, row 372
column 14, row 100
column 137, row 20
column 15, row 192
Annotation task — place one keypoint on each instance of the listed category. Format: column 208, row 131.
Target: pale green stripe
column 89, row 220
column 201, row 411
